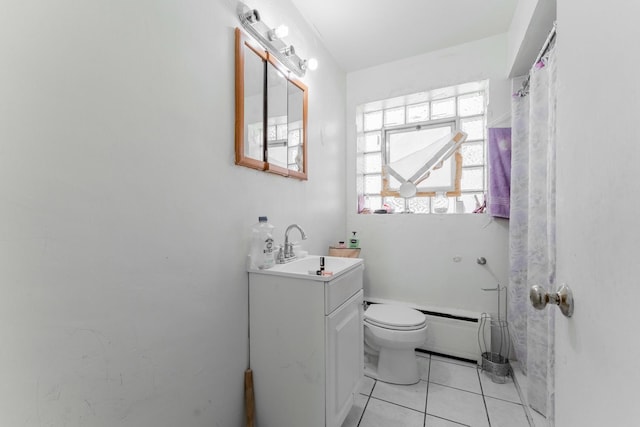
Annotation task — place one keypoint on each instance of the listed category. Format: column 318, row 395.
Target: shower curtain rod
column 524, row 90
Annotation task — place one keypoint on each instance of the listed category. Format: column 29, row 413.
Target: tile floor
column 537, row 420
column 450, row 393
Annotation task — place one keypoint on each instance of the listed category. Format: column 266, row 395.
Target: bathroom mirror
column 276, row 119
column 296, row 127
column 250, row 63
column 271, row 113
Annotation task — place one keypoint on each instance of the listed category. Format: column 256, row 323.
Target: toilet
column 392, row 333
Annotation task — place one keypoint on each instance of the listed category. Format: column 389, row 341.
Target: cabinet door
column 345, row 358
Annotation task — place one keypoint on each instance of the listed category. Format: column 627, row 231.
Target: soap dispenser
column 354, row 242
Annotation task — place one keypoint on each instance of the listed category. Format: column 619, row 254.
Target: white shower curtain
column 532, row 241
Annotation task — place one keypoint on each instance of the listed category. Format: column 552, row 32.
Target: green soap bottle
column 354, row 242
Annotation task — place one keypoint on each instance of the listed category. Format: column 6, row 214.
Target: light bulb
column 281, row 31
column 313, row 64
column 278, row 33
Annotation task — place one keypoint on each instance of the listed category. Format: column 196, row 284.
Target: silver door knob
column 563, row 298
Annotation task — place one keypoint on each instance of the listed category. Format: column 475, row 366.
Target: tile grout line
column 501, row 398
column 505, row 400
column 367, row 403
column 525, row 406
column 457, row 388
column 396, row 404
column 426, row 398
column 484, row 395
column 449, row 420
column 486, row 410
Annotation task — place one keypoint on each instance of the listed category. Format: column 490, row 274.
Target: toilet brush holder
column 495, row 363
column 497, row 366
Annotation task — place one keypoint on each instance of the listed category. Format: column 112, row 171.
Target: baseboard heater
column 451, row 332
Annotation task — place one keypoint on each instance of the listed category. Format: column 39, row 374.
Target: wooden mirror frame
column 242, row 43
column 303, row 136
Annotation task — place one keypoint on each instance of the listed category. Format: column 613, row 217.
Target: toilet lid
column 394, row 316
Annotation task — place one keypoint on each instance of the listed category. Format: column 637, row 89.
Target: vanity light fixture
column 251, row 16
column 310, row 64
column 271, row 40
column 279, row 32
column 289, row 50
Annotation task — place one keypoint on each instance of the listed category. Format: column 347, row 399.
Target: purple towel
column 499, row 171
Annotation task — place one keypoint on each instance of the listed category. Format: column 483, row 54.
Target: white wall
column 410, row 258
column 532, row 20
column 123, row 220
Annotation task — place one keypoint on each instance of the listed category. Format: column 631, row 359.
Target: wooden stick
column 249, row 398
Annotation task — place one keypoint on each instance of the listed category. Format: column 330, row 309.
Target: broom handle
column 249, row 398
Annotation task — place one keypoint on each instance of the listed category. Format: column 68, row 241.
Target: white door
column 598, row 213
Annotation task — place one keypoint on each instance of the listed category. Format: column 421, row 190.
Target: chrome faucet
column 288, row 247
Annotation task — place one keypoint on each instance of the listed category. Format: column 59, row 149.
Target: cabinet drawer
column 340, row 289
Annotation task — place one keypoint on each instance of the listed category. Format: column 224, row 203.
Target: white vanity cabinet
column 344, row 358
column 306, row 346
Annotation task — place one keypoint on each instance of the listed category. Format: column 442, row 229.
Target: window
column 401, row 129
column 407, row 149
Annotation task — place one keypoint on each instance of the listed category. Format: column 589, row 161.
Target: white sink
column 311, row 263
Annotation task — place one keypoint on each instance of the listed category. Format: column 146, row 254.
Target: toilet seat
column 395, row 317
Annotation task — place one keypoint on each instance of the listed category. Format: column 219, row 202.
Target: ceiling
column 365, row 33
